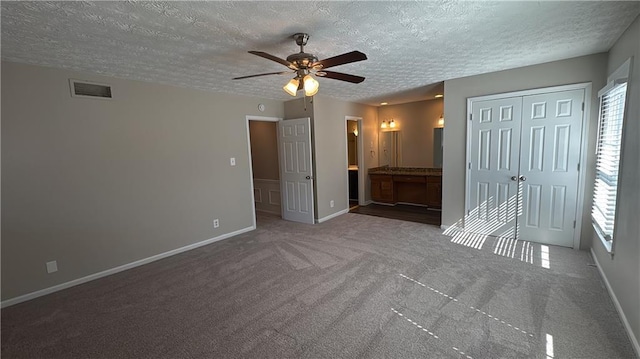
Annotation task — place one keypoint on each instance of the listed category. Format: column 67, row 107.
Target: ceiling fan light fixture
column 292, row 87
column 311, row 85
column 307, row 65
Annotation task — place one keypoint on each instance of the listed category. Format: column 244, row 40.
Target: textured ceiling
column 411, row 46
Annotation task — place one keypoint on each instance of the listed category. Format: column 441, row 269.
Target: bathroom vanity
column 409, row 185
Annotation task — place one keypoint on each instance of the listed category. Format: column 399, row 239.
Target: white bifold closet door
column 523, row 175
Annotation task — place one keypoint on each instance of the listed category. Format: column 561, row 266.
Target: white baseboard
column 366, row 203
column 324, row 219
column 59, row 287
column 444, row 227
column 632, row 337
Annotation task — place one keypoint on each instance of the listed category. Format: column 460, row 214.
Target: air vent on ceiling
column 89, row 89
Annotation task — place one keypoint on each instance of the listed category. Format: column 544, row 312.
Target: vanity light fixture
column 355, row 132
column 441, row 120
column 392, row 124
column 384, row 124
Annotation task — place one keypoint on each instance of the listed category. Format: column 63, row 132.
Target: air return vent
column 86, row 89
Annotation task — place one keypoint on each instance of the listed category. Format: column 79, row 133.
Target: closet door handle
column 523, row 178
column 514, row 178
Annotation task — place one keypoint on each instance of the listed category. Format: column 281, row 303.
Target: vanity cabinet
column 382, row 188
column 434, row 191
column 410, row 189
column 407, row 185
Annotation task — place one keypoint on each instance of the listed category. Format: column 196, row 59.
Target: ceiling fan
column 305, row 66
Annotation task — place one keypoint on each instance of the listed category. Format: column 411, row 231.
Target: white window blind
column 609, row 145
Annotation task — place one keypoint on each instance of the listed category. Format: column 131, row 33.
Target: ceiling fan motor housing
column 302, row 60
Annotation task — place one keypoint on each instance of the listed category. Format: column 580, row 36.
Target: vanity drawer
column 409, row 178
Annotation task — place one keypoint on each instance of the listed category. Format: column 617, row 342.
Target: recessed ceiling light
column 384, row 103
column 439, row 95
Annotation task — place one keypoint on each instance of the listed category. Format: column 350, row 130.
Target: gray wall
column 96, row 184
column 623, row 269
column 416, row 121
column 264, row 149
column 577, row 70
column 330, row 150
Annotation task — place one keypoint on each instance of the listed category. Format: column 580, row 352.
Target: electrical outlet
column 216, row 223
column 331, row 203
column 232, row 161
column 52, row 266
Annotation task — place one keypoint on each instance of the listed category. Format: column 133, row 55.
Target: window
column 608, row 147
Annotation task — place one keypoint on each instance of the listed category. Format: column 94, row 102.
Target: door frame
column 586, row 86
column 360, row 149
column 253, row 199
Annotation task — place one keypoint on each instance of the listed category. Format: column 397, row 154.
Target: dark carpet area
column 403, row 212
column 352, row 287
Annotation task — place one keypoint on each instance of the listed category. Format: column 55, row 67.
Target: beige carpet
column 353, row 287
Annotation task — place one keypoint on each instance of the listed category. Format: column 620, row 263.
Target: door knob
column 514, row 178
column 308, row 177
column 523, row 178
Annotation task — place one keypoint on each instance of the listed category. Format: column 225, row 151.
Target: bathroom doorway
column 265, row 168
column 355, row 161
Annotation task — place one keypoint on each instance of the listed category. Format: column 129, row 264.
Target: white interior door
column 493, row 168
column 549, row 174
column 296, row 170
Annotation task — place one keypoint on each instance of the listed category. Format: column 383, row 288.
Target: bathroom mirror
column 437, row 147
column 389, row 148
column 352, row 148
column 410, row 134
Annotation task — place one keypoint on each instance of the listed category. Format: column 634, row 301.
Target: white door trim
column 253, row 199
column 586, row 86
column 360, row 147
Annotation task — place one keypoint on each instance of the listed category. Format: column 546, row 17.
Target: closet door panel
column 551, row 131
column 494, row 155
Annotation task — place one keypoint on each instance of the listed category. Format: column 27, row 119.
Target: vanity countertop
column 411, row 171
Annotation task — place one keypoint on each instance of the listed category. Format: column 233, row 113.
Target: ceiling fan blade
column 342, row 77
column 349, row 57
column 268, row 73
column 273, row 58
